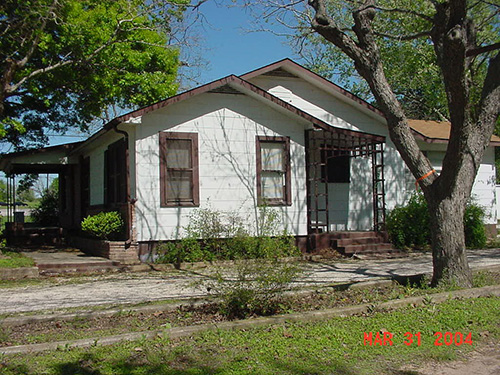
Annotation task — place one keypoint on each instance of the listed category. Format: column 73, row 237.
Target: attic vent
column 226, row 89
column 280, row 72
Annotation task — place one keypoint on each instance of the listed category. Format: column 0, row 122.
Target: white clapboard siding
column 227, row 126
column 399, row 181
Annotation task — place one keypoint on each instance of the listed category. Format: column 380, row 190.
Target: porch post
column 377, row 151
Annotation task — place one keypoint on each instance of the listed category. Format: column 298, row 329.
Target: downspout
column 129, row 201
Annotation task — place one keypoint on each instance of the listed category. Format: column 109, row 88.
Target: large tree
column 410, row 63
column 65, row 62
column 450, row 29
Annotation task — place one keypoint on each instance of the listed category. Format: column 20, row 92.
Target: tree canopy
column 402, row 33
column 65, row 62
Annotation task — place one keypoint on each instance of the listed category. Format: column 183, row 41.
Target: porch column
column 377, row 151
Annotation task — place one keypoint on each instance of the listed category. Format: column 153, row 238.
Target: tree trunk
column 450, row 265
column 453, row 36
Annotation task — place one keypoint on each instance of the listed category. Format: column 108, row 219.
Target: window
column 179, row 180
column 273, row 171
column 337, row 168
column 115, row 173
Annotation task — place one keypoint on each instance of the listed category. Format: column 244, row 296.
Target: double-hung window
column 179, row 179
column 273, row 171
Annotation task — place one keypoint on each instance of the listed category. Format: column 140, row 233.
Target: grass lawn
column 335, row 346
column 10, row 259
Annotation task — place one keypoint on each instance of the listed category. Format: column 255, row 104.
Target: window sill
column 179, row 204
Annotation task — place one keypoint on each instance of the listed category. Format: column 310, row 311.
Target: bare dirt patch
column 483, row 361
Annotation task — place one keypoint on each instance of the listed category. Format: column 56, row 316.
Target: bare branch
column 329, row 29
column 480, row 50
column 404, row 37
column 34, row 73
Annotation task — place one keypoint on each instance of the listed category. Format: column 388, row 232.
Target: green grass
column 334, row 346
column 9, row 259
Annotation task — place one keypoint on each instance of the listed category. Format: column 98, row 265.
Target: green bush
column 408, row 226
column 212, row 235
column 252, row 287
column 47, row 212
column 475, row 232
column 104, row 225
column 186, row 250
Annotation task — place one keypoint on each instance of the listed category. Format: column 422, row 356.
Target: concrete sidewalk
column 132, row 288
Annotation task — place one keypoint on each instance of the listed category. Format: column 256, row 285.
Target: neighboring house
column 279, row 136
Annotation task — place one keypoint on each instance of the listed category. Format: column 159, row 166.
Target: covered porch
column 345, row 189
column 73, row 174
column 46, row 161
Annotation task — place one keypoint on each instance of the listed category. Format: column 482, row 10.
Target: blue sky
column 233, row 50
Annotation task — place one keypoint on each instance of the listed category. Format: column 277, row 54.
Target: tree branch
column 21, row 63
column 480, row 50
column 403, row 11
column 366, row 57
column 404, row 37
column 329, row 29
column 34, row 73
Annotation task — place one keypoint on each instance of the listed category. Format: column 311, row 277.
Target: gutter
column 130, row 201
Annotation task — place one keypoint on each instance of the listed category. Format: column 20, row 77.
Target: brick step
column 365, row 248
column 341, row 235
column 357, row 241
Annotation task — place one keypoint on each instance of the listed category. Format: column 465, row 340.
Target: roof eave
column 311, row 77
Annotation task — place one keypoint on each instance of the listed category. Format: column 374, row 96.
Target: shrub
column 408, row 226
column 104, row 225
column 47, row 212
column 212, row 235
column 186, row 250
column 252, row 287
column 475, row 232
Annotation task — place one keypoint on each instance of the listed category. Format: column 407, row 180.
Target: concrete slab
column 63, row 257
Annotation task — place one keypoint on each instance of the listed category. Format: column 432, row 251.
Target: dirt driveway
column 132, row 288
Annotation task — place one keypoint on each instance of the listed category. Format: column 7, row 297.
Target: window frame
column 195, row 182
column 286, row 200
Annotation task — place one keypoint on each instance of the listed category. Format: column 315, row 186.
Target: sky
column 231, row 49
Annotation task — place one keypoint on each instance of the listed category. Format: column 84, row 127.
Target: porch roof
column 52, row 159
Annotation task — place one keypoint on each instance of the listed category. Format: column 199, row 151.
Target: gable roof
column 229, row 84
column 282, row 67
column 438, row 132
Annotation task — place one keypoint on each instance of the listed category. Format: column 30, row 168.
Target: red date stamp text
column 415, row 338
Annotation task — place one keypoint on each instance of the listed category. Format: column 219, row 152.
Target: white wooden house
column 279, row 136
